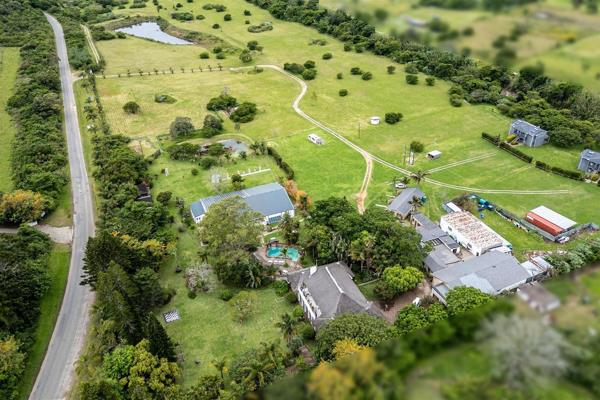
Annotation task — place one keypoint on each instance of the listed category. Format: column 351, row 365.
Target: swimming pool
column 277, row 252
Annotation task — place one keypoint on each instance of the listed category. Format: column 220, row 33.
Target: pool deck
column 280, row 263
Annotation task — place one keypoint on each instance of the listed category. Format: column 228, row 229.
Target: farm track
column 90, row 40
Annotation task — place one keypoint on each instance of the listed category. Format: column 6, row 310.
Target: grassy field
column 334, row 169
column 470, row 362
column 207, row 331
column 9, row 63
column 58, row 270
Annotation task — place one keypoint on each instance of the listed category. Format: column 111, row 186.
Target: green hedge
column 576, row 175
column 507, row 147
column 289, row 172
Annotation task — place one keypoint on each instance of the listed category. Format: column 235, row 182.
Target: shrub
column 347, row 47
column 182, row 16
column 245, row 56
column 391, row 69
column 247, row 22
column 456, row 100
column 281, row 288
column 131, row 107
column 291, row 297
column 200, row 17
column 220, row 56
column 194, row 171
column 252, row 45
column 393, row 117
column 207, row 162
column 227, row 17
column 262, row 27
column 306, row 331
column 430, row 81
column 216, row 26
column 339, row 75
column 412, row 79
column 327, row 56
column 367, row 76
column 244, row 113
column 411, row 69
column 309, row 74
column 164, row 98
column 297, row 312
column 204, row 55
column 247, row 13
column 294, row 68
column 417, row 147
column 309, row 64
column 226, row 294
column 356, row 71
column 343, row 92
column 181, row 126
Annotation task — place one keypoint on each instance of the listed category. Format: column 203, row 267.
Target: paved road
column 55, row 376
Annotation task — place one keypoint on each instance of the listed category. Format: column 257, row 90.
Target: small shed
column 538, row 297
column 375, row 120
column 316, row 139
column 434, row 154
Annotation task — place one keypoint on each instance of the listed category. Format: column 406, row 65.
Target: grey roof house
column 528, row 134
column 270, row 200
column 444, row 247
column 589, row 161
column 327, row 291
column 492, row 272
column 402, row 204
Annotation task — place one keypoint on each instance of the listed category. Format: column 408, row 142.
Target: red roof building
column 548, row 220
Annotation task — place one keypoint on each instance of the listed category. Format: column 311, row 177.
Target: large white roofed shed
column 554, row 217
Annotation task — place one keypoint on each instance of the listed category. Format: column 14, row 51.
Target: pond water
column 151, row 30
column 234, row 145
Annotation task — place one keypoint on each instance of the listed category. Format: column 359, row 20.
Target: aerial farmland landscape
column 269, row 199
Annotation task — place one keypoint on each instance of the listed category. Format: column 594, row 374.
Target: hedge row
column 289, row 172
column 38, row 150
column 507, row 147
column 576, row 175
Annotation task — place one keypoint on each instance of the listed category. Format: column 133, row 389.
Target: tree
column 257, row 368
column 343, row 92
column 287, row 326
column 465, row 298
column 309, row 74
column 565, row 137
column 224, row 102
column 164, row 198
column 367, row 76
column 361, row 249
column 417, row 147
column 524, row 350
column 430, row 81
column 393, row 117
column 237, row 181
column 419, row 176
column 290, row 228
column 412, row 79
column 412, row 318
column 159, row 342
column 327, row 56
column 208, row 388
column 244, row 113
column 364, row 329
column 211, row 126
column 131, row 107
column 345, row 348
column 246, row 56
column 181, row 126
column 21, row 206
column 391, row 69
column 400, row 279
column 230, row 226
column 243, row 306
column 12, row 365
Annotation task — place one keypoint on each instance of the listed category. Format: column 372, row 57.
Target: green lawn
column 58, row 270
column 207, row 331
column 469, row 362
column 9, row 64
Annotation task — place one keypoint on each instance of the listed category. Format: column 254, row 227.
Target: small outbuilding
column 528, row 134
column 434, row 154
column 375, row 120
column 538, row 297
column 316, row 139
column 549, row 221
column 589, row 161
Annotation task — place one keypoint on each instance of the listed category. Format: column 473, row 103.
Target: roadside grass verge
column 58, row 270
column 9, row 64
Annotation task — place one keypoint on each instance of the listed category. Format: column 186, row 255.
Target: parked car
column 563, row 239
column 400, row 185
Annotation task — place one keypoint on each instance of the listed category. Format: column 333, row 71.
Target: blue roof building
column 405, row 203
column 270, row 200
column 589, row 161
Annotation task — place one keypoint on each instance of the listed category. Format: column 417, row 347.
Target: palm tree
column 286, row 326
column 415, row 203
column 419, row 176
column 220, row 366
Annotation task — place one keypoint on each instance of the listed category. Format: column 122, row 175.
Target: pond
column 235, row 146
column 151, row 30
